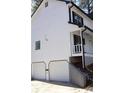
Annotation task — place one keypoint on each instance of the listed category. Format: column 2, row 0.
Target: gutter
column 67, row 2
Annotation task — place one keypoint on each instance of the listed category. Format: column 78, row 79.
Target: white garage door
column 38, row 70
column 59, row 71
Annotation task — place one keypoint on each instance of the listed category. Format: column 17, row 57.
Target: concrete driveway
column 57, row 87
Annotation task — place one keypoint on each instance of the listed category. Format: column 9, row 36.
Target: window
column 77, row 19
column 46, row 4
column 77, row 39
column 77, row 44
column 37, row 45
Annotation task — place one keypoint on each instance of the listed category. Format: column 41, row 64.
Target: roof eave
column 37, row 8
column 67, row 2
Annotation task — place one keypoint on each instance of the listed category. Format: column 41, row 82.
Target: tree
column 34, row 5
column 86, row 6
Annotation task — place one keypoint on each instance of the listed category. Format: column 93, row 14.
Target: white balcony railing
column 77, row 48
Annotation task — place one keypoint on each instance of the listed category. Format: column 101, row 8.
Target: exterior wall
column 77, row 77
column 50, row 26
column 88, row 48
column 88, row 60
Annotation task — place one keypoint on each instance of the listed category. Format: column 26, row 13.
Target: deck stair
column 77, row 68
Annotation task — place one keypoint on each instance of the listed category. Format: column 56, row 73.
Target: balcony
column 76, row 48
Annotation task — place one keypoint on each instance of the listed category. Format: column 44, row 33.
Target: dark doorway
column 77, row 62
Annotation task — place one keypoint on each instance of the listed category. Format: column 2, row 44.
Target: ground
column 57, row 87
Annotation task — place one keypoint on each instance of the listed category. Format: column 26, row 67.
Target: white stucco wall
column 50, row 26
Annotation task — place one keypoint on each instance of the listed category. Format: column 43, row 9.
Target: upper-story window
column 37, row 45
column 46, row 4
column 78, row 20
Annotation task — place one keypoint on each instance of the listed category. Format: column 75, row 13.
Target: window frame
column 79, row 20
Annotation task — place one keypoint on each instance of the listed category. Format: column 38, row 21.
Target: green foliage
column 34, row 5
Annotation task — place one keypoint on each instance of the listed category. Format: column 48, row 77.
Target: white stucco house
column 62, row 42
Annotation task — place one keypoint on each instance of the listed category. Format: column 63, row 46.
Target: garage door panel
column 38, row 70
column 59, row 71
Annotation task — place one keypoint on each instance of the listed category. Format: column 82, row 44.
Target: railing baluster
column 76, row 48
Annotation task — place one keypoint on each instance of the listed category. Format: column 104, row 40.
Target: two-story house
column 62, row 35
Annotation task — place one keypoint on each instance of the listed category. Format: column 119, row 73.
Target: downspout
column 70, row 12
column 83, row 57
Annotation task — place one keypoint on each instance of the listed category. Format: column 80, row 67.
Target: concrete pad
column 57, row 87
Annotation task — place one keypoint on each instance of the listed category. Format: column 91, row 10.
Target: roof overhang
column 68, row 2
